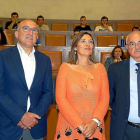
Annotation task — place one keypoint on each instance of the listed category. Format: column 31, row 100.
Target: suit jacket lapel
column 17, row 60
column 37, row 69
column 125, row 72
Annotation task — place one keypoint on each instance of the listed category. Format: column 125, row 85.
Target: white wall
column 72, row 9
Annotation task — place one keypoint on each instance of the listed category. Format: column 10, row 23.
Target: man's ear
column 16, row 34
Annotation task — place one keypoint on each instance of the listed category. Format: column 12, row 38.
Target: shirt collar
column 21, row 51
column 132, row 62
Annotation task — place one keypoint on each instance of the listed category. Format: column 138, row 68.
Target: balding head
column 26, row 34
column 26, row 22
column 131, row 34
column 133, row 45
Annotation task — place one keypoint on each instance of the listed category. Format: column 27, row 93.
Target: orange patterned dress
column 78, row 103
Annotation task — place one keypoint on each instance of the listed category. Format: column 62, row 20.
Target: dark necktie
column 138, row 83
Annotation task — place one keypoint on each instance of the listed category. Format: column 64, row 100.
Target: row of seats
column 56, row 57
column 50, row 38
column 69, row 25
column 65, row 26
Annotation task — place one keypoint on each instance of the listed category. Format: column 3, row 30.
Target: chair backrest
column 39, row 36
column 106, row 40
column 44, row 23
column 124, row 26
column 11, row 37
column 56, row 59
column 78, row 24
column 72, row 36
column 104, row 56
column 55, row 40
column 69, row 54
column 59, row 26
column 99, row 24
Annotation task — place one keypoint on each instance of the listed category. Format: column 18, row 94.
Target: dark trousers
column 132, row 133
column 27, row 136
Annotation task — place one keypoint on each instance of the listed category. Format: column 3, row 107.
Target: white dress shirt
column 133, row 113
column 28, row 63
column 43, row 28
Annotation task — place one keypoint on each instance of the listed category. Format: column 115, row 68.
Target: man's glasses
column 27, row 29
column 133, row 44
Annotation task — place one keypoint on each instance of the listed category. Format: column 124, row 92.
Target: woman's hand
column 118, row 58
column 90, row 128
column 82, row 127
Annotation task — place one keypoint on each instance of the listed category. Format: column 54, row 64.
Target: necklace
column 83, row 65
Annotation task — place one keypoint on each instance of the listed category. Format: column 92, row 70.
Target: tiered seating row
column 63, row 38
column 69, row 25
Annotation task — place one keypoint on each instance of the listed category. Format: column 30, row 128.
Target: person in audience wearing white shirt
column 26, row 88
column 41, row 25
column 104, row 25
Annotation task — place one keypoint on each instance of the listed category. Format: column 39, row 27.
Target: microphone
column 136, row 70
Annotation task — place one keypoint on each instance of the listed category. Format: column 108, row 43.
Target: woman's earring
column 75, row 52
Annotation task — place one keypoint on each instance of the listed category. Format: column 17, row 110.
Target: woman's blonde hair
column 73, row 57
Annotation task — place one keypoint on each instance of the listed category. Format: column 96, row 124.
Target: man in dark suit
column 125, row 120
column 25, row 87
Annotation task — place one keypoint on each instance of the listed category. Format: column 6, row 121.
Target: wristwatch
column 97, row 121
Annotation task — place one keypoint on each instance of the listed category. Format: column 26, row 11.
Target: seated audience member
column 40, row 24
column 13, row 24
column 38, row 42
column 4, row 39
column 135, row 29
column 104, row 25
column 83, row 26
column 76, row 31
column 117, row 55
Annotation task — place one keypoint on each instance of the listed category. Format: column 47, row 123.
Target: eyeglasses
column 133, row 44
column 83, row 41
column 27, row 29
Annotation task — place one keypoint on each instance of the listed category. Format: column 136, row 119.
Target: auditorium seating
column 124, row 26
column 56, row 60
column 106, row 40
column 55, row 40
column 104, row 56
column 93, row 23
column 59, row 26
column 72, row 36
column 11, row 37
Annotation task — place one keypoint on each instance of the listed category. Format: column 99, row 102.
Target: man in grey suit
column 124, row 93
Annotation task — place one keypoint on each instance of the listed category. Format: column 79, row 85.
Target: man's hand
column 106, row 26
column 20, row 124
column 16, row 20
column 30, row 119
column 90, row 128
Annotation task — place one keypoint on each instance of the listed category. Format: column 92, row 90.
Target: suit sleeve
column 111, row 85
column 47, row 95
column 7, row 105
